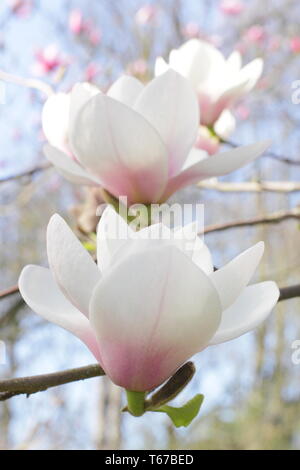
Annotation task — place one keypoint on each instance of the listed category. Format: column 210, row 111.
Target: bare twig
column 289, row 292
column 10, row 291
column 38, row 383
column 250, row 186
column 27, row 82
column 273, row 218
column 26, row 174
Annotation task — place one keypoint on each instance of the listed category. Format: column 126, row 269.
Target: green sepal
column 184, row 415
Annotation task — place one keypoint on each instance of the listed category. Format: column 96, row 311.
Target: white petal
column 170, row 104
column 251, row 72
column 122, row 148
column 216, row 165
column 126, row 90
column 73, row 268
column 81, row 93
column 161, row 66
column 55, row 120
column 250, row 309
column 197, row 60
column 112, row 233
column 234, row 62
column 155, row 304
column 231, row 279
column 225, row 125
column 68, row 168
column 41, row 293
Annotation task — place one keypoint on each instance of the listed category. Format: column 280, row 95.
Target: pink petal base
column 135, row 369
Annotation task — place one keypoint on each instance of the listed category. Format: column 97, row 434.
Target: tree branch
column 38, row 383
column 273, row 218
column 251, row 186
column 26, row 173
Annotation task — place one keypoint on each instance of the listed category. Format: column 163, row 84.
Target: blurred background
column 251, row 386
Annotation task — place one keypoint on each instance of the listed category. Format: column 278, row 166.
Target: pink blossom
column 295, row 44
column 232, row 7
column 191, row 30
column 48, row 60
column 146, row 15
column 76, row 22
column 255, row 34
column 242, row 111
column 21, row 8
column 138, row 68
column 91, row 71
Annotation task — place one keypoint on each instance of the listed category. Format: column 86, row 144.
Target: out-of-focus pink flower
column 295, row 44
column 21, row 8
column 48, row 60
column 94, row 36
column 218, row 81
column 78, row 26
column 147, row 14
column 242, row 112
column 232, row 7
column 191, row 30
column 255, row 34
column 76, row 22
column 91, row 71
column 138, row 68
column 133, row 142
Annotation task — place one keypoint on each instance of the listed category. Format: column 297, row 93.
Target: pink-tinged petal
column 112, row 233
column 126, row 90
column 231, row 279
column 55, row 120
column 122, row 148
column 169, row 103
column 151, row 313
column 68, row 168
column 251, row 308
column 216, row 165
column 72, row 266
column 43, row 296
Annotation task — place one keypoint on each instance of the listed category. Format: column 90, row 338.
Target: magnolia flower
column 137, row 141
column 152, row 301
column 256, row 34
column 219, row 83
column 147, row 14
column 232, row 7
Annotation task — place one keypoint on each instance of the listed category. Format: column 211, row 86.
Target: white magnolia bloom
column 218, row 82
column 137, row 141
column 152, row 301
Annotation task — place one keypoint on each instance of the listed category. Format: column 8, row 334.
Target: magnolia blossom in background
column 255, row 34
column 232, row 7
column 137, row 141
column 147, row 14
column 21, row 8
column 78, row 25
column 152, row 301
column 218, row 82
column 48, row 60
column 191, row 30
column 295, row 44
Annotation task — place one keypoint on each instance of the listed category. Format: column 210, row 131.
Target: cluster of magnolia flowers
column 153, row 299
